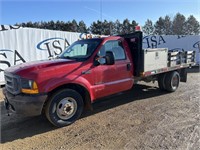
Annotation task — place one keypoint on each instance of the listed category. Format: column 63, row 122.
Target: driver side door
column 110, row 79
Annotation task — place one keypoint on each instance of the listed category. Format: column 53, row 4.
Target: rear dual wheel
column 161, row 81
column 172, row 81
column 169, row 81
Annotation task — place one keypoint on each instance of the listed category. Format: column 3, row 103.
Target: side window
column 114, row 46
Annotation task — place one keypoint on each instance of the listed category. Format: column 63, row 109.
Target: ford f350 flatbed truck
column 88, row 70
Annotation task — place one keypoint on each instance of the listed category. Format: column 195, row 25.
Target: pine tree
column 159, row 30
column 107, row 27
column 132, row 26
column 167, row 26
column 82, row 27
column 96, row 27
column 73, row 26
column 148, row 28
column 179, row 24
column 126, row 27
column 192, row 26
column 117, row 29
column 29, row 24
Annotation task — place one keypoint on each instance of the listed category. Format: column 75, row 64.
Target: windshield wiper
column 67, row 57
column 73, row 58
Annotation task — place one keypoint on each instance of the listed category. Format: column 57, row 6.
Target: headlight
column 29, row 86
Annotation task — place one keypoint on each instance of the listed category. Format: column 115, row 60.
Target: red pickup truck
column 88, row 70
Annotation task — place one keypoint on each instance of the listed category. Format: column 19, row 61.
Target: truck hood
column 37, row 66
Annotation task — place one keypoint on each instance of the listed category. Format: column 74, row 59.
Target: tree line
column 178, row 25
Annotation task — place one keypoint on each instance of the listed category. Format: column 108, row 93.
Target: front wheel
column 64, row 107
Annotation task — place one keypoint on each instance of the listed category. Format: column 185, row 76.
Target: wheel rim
column 175, row 82
column 66, row 108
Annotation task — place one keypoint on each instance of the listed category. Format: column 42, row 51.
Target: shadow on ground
column 16, row 127
column 195, row 69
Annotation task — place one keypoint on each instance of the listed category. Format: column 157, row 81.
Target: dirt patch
column 142, row 118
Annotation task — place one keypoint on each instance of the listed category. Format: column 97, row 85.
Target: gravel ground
column 143, row 118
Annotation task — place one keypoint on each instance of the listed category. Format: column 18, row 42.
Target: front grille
column 12, row 83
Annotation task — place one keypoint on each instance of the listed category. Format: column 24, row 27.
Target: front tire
column 64, row 107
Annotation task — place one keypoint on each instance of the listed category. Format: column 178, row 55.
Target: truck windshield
column 81, row 50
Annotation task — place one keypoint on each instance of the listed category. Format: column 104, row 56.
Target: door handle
column 128, row 67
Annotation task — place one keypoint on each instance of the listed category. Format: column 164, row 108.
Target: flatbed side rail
column 180, row 57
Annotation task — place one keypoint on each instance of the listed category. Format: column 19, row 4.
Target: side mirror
column 110, row 60
column 100, row 61
column 105, row 60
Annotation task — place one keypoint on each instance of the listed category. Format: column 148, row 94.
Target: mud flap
column 183, row 75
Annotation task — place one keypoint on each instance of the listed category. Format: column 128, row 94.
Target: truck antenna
column 101, row 15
